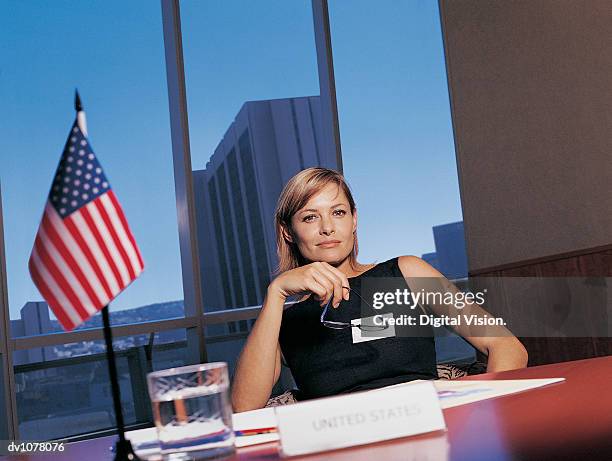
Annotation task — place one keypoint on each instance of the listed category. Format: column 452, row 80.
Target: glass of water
column 192, row 411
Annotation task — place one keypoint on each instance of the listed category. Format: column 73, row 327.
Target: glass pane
column 48, row 406
column 397, row 140
column 46, row 379
column 170, row 354
column 120, row 73
column 37, row 318
column 161, row 341
column 254, row 118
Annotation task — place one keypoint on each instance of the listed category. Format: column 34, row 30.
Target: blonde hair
column 297, row 192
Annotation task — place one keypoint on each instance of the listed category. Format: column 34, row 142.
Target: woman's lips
column 329, row 244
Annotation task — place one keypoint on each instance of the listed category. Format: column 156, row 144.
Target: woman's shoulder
column 376, row 268
column 413, row 266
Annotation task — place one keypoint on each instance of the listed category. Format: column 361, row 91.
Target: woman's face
column 324, row 228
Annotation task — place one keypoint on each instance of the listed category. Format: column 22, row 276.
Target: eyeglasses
column 342, row 325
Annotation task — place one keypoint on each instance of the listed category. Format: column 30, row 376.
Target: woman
column 316, row 227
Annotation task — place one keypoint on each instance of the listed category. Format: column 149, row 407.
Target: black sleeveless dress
column 326, row 362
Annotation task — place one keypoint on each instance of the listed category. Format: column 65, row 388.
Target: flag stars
column 75, row 130
column 79, row 178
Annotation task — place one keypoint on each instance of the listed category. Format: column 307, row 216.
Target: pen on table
column 264, row 430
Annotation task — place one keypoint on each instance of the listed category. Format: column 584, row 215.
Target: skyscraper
column 450, row 257
column 268, row 142
column 35, row 320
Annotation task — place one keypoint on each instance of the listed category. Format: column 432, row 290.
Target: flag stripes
column 59, row 248
column 123, row 242
column 83, row 261
column 55, row 281
column 82, row 258
column 133, row 249
column 117, row 250
column 82, row 230
column 75, row 290
column 51, row 292
column 106, row 242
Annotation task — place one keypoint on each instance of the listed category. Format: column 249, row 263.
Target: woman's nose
column 326, row 228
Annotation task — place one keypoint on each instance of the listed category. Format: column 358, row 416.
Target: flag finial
column 77, row 101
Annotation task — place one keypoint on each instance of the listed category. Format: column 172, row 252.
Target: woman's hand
column 319, row 278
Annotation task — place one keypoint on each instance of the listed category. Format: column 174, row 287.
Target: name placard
column 360, row 418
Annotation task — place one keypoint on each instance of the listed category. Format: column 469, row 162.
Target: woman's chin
column 332, row 256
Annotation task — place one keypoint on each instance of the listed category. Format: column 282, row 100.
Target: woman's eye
column 312, row 217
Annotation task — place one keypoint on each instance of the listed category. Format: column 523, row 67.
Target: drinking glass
column 192, row 411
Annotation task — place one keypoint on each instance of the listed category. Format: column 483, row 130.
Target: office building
column 450, row 257
column 235, row 195
column 35, row 320
column 431, row 259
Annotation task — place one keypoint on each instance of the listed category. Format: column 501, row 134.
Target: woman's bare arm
column 503, row 349
column 259, row 364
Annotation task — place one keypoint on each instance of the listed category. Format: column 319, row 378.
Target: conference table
column 569, row 420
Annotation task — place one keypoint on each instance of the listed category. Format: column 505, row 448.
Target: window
column 396, row 132
column 125, row 98
column 120, row 73
column 254, row 120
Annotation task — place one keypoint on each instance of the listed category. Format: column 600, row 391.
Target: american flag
column 84, row 254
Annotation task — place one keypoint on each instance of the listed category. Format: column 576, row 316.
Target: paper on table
column 144, row 442
column 146, row 445
column 455, row 393
column 254, row 419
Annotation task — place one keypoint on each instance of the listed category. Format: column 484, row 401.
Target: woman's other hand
column 319, row 278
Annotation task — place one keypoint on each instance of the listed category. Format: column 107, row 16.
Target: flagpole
column 123, row 447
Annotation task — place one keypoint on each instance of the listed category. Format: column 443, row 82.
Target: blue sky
column 392, row 100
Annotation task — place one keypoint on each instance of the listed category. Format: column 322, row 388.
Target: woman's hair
column 298, row 191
